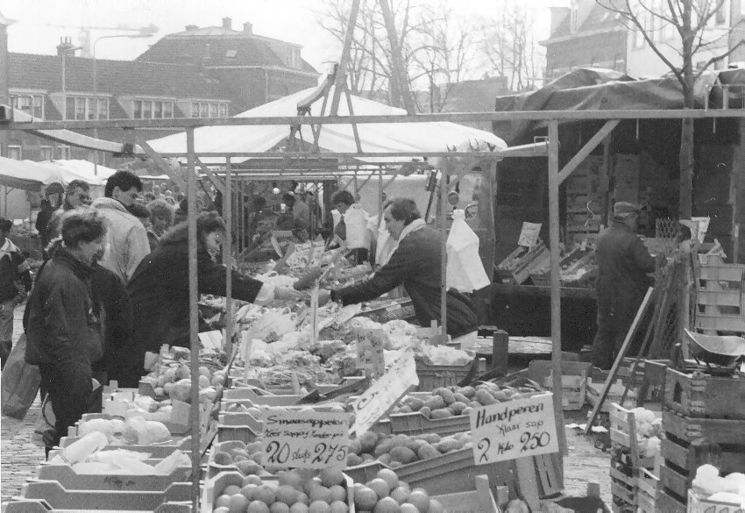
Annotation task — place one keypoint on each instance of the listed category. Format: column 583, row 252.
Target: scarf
column 389, row 246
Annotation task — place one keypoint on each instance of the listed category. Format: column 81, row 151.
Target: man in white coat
column 126, row 238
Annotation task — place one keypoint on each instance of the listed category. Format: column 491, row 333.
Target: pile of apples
column 174, row 380
column 387, row 494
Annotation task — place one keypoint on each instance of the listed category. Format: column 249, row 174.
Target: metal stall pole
column 227, row 252
column 553, row 208
column 443, row 249
column 191, row 201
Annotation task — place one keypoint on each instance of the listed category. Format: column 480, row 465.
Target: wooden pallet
column 646, row 491
column 701, row 395
column 666, row 503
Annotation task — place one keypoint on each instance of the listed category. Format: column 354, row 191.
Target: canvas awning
column 339, row 138
column 31, row 176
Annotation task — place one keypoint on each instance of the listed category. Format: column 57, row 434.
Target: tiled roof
column 216, row 46
column 115, row 77
column 592, row 17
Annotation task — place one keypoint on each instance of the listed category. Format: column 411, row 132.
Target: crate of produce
column 234, row 456
column 623, row 433
column 697, row 394
column 66, row 476
column 159, row 450
column 698, row 503
column 249, row 394
column 238, row 427
column 59, row 497
column 573, row 380
column 480, row 500
column 435, row 376
column 680, row 450
column 518, row 265
column 402, row 309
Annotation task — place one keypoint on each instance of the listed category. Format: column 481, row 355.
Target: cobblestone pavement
column 21, row 451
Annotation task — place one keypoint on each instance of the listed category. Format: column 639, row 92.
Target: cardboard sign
column 514, row 429
column 529, row 234
column 370, row 356
column 305, row 439
column 384, row 393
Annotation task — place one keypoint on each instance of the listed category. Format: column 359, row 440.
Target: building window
column 32, row 104
column 167, row 109
column 63, row 152
column 147, row 110
column 15, row 152
column 209, row 109
column 152, row 109
column 46, row 152
column 80, row 107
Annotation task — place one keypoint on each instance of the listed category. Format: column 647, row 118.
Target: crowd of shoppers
column 109, row 263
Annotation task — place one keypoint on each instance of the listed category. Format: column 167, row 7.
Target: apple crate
column 66, row 476
column 214, row 468
column 518, row 265
column 435, row 376
column 58, row 497
column 697, row 503
column 160, row 450
column 415, row 424
column 214, row 486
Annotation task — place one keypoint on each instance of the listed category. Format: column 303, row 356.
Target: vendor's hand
column 287, row 294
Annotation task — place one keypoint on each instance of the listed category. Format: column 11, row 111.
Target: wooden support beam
column 587, row 149
column 553, row 215
column 163, row 165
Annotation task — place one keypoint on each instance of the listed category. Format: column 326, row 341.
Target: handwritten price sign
column 383, row 394
column 515, row 429
column 305, row 439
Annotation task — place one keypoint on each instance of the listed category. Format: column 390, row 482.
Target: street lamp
column 144, row 32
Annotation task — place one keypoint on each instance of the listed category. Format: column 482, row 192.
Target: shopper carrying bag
column 20, row 382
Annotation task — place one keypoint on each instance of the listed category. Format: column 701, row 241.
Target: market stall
column 523, row 469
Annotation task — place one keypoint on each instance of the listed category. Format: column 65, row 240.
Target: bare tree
column 510, row 46
column 690, row 20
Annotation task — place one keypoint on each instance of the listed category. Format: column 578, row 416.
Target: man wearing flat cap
column 623, row 267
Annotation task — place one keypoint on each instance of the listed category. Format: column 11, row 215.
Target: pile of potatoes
column 397, row 450
column 446, row 402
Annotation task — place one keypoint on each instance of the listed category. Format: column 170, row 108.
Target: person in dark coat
column 159, row 288
column 623, row 266
column 62, row 320
column 415, row 264
column 15, row 283
column 42, row 221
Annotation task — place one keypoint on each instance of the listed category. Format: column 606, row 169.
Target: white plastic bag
column 465, row 272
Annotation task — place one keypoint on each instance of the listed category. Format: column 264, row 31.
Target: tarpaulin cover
column 601, row 89
column 29, row 175
column 339, row 138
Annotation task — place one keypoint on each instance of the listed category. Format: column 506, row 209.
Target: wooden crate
column 719, row 298
column 701, row 395
column 646, row 491
column 573, row 381
column 668, row 504
column 623, row 489
column 700, row 504
column 623, row 433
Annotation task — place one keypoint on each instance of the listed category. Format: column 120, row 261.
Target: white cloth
column 387, row 245
column 126, row 239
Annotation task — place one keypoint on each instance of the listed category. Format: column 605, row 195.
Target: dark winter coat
column 14, row 271
column 62, row 321
column 416, row 264
column 623, row 264
column 159, row 290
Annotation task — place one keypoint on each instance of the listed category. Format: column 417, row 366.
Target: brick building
column 201, row 72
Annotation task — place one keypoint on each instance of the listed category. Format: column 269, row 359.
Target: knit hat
column 623, row 209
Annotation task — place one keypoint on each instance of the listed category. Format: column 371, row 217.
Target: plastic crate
column 71, row 480
column 156, row 450
column 415, row 424
column 21, row 505
column 213, row 469
column 436, row 376
column 59, row 497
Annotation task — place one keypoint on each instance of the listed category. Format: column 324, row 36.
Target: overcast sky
column 39, row 24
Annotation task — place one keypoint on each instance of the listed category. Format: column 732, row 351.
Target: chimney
column 558, row 15
column 227, row 23
column 189, row 28
column 64, row 46
column 248, row 28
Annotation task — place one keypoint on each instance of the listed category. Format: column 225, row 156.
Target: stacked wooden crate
column 583, row 187
column 632, row 483
column 719, row 299
column 704, row 422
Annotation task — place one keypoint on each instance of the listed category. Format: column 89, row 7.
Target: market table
column 525, row 310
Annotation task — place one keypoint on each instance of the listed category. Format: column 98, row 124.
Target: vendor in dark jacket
column 623, row 265
column 415, row 264
column 159, row 288
column 62, row 320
